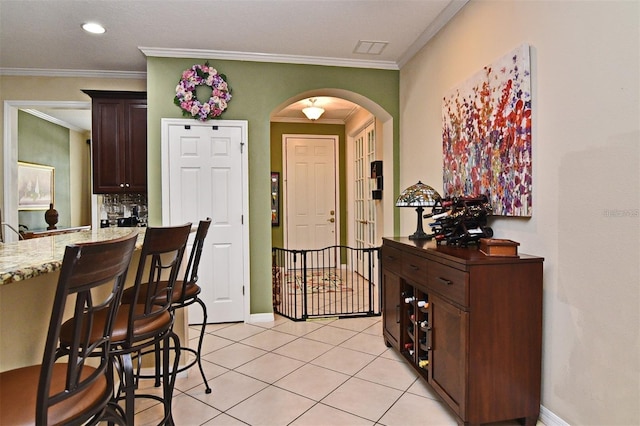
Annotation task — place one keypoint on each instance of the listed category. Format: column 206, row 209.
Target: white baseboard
column 266, row 317
column 550, row 419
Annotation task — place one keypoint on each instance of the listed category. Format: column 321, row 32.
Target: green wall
column 259, row 89
column 42, row 142
column 279, row 129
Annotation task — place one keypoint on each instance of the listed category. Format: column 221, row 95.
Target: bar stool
column 148, row 322
column 185, row 292
column 79, row 391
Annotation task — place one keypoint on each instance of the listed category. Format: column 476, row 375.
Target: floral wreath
column 199, row 75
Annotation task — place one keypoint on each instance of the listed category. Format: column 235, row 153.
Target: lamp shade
column 313, row 112
column 418, row 195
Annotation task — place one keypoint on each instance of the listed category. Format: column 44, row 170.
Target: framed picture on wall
column 36, row 183
column 275, row 199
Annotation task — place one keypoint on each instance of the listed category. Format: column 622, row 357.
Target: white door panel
column 205, row 179
column 311, row 193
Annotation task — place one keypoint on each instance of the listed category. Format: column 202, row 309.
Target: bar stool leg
column 199, row 353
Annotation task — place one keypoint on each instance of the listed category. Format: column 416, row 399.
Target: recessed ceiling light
column 92, row 27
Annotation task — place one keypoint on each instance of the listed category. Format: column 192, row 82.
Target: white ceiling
column 43, row 37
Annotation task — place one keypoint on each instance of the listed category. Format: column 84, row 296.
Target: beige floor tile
column 192, row 377
column 271, row 407
column 331, row 335
column 238, row 332
column 375, row 329
column 298, row 328
column 224, row 420
column 304, row 349
column 215, row 327
column 356, row 324
column 277, row 320
column 234, row 355
column 152, row 415
column 312, row 381
column 391, row 353
column 228, row 390
column 365, row 343
column 323, row 415
column 210, row 343
column 363, row 398
column 270, row 367
column 420, row 388
column 190, row 411
column 343, row 360
column 268, row 340
column 395, row 374
column 415, row 410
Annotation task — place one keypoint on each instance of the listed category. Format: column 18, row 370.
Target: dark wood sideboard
column 470, row 324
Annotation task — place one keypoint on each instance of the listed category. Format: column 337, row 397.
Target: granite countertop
column 26, row 259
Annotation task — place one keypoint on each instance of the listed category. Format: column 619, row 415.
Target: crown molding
column 267, row 57
column 441, row 20
column 41, row 72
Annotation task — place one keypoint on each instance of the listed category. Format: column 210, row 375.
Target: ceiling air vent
column 369, row 47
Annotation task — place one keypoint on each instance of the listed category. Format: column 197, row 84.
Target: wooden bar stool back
column 68, row 388
column 147, row 322
column 185, row 292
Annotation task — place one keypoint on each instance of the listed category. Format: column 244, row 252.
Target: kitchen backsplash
column 123, row 209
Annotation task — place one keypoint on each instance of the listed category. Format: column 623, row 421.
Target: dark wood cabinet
column 119, row 141
column 470, row 324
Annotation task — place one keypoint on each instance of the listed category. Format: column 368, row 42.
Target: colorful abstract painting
column 486, row 135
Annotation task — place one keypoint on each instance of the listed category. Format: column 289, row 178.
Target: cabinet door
column 449, row 343
column 107, row 151
column 136, row 146
column 391, row 308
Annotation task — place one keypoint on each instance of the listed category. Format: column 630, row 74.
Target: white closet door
column 205, row 179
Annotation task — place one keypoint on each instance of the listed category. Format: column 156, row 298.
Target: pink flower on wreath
column 199, row 75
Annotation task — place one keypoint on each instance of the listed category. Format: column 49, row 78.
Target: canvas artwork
column 486, row 135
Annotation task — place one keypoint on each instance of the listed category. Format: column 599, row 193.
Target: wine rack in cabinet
column 470, row 324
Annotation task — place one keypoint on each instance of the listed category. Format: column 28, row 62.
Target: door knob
column 331, row 220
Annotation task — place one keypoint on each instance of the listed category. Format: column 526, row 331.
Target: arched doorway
column 369, row 112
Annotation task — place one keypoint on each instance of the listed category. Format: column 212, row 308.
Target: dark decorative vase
column 51, row 217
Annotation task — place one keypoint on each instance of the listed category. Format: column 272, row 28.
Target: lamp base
column 420, row 234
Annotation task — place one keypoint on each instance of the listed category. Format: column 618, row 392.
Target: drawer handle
column 414, row 267
column 445, row 281
column 391, row 257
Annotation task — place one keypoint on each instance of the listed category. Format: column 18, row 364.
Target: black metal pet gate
column 337, row 281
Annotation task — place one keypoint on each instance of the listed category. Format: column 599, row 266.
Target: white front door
column 204, row 175
column 310, row 192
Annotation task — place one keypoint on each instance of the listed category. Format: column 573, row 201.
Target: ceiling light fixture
column 93, row 28
column 313, row 112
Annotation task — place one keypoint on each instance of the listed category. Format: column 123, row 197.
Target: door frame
column 166, row 123
column 284, row 182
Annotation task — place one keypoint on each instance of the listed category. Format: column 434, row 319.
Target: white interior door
column 310, row 192
column 205, row 177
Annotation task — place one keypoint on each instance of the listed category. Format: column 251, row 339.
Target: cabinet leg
column 387, row 344
column 528, row 421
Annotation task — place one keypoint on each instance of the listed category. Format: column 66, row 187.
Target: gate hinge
column 241, row 147
column 243, row 290
column 242, row 219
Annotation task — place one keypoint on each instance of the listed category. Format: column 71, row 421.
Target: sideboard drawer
column 414, row 267
column 449, row 282
column 391, row 259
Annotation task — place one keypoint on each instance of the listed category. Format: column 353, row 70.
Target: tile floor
column 324, row 372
